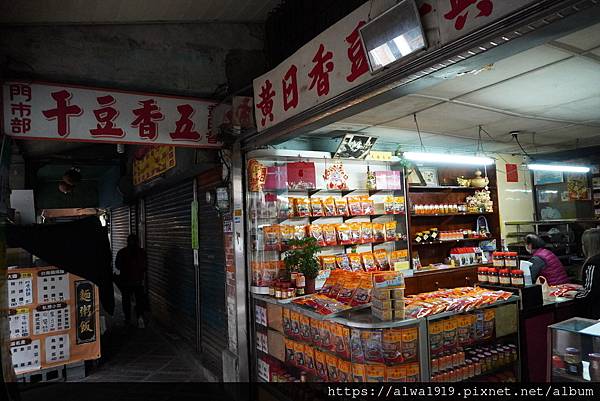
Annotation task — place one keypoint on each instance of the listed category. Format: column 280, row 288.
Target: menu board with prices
column 20, row 289
column 51, row 317
column 18, row 320
column 25, row 355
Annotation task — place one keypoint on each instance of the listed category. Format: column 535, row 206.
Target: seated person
column 544, row 262
column 589, row 295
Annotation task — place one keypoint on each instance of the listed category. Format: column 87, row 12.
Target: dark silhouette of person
column 131, row 264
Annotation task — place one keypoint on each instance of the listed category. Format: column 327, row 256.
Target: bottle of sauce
column 493, row 276
column 517, row 278
column 504, row 277
column 482, row 276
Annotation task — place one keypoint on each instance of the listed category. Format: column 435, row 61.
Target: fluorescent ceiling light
column 557, row 167
column 447, row 158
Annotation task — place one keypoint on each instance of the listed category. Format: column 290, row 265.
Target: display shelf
column 439, row 269
column 363, row 319
column 312, row 192
column 504, row 368
column 434, row 188
column 346, row 246
column 450, row 241
column 451, row 214
column 568, row 378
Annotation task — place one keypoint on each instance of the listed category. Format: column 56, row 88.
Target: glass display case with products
column 574, row 351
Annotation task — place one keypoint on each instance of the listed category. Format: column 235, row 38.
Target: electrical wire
column 516, row 136
column 419, row 132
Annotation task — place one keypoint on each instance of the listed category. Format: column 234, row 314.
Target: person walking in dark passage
column 131, row 264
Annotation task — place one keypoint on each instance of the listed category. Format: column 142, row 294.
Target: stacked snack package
column 388, row 296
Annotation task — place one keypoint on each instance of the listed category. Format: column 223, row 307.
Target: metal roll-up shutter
column 119, row 229
column 213, row 313
column 133, row 220
column 171, row 280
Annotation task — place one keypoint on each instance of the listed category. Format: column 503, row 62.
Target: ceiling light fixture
column 444, row 158
column 558, row 167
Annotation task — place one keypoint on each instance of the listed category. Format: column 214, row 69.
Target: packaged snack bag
column 388, row 205
column 367, row 205
column 341, row 341
column 334, row 276
column 341, row 206
column 343, row 262
column 272, row 235
column 390, row 231
column 330, row 234
column 489, row 323
column 355, row 206
column 326, row 336
column 295, row 324
column 344, row 371
column 355, row 262
column 392, row 346
column 299, row 232
column 356, row 351
column 292, row 212
column 316, row 207
column 332, row 367
column 436, row 337
column 289, row 351
column 366, row 230
column 381, row 259
column 315, row 333
column 355, row 232
column 309, row 356
column 450, row 334
column 395, row 374
column 316, row 232
column 305, row 329
column 328, row 262
column 378, row 232
column 399, row 207
column 347, row 289
column 368, row 261
column 302, row 207
column 343, row 233
column 398, row 256
column 358, row 373
column 410, row 343
column 412, row 372
column 286, row 322
column 371, row 345
column 329, row 207
column 362, row 295
column 321, row 365
column 375, row 373
column 299, row 356
column 464, row 330
column 287, row 233
column 337, row 286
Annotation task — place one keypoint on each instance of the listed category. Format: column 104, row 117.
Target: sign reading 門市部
column 69, row 113
column 335, row 61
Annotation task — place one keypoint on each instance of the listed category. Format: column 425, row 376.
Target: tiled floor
column 130, row 354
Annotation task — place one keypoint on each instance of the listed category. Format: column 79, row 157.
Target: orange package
column 381, row 259
column 329, row 207
column 316, row 231
column 326, row 335
column 287, row 323
column 272, row 238
column 344, row 371
column 305, row 329
column 309, row 356
column 316, row 207
column 321, row 365
column 358, row 373
column 366, row 232
column 289, row 351
column 392, row 346
column 334, row 276
column 341, row 341
column 328, row 262
column 367, row 205
column 343, row 262
column 295, row 325
column 315, row 333
column 388, row 205
column 330, row 234
column 355, row 232
column 332, row 367
column 368, row 261
column 287, row 233
column 355, row 206
column 299, row 232
column 355, row 262
column 375, row 373
column 412, row 372
column 398, row 256
column 302, row 207
column 343, row 233
column 299, row 357
column 347, row 288
column 390, row 231
column 341, row 207
column 395, row 374
column 292, row 212
column 378, row 232
column 362, row 295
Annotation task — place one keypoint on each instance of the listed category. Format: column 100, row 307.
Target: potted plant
column 301, row 258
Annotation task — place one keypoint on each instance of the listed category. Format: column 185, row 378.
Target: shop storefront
column 416, row 278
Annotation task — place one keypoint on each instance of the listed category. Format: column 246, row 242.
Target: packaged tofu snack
column 344, row 371
column 299, row 232
column 358, row 373
column 356, row 351
column 392, row 346
column 366, row 230
column 355, row 232
column 341, row 206
column 355, row 262
column 272, row 238
column 309, row 356
column 349, row 285
column 375, row 373
column 286, row 322
column 378, row 232
column 289, row 351
column 315, row 332
column 343, row 233
column 316, row 231
column 388, row 205
column 329, row 207
column 367, row 205
column 395, row 374
column 390, row 231
column 330, row 234
column 341, row 341
column 436, row 336
column 295, row 324
column 399, row 207
column 343, row 262
column 410, row 343
column 332, row 367
column 355, row 206
column 371, row 344
column 368, row 261
column 302, row 207
column 362, row 294
column 316, row 207
column 381, row 259
column 450, row 334
column 287, row 233
column 321, row 365
column 305, row 329
column 328, row 262
column 412, row 372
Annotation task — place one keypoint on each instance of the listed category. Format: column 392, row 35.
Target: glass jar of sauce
column 572, row 361
column 493, row 276
column 517, row 278
column 594, row 367
column 504, row 277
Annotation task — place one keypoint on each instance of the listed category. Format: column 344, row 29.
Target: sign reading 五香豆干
column 335, row 61
column 71, row 113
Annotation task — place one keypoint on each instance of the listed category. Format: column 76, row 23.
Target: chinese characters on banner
column 152, row 163
column 84, row 304
column 48, row 111
column 335, row 61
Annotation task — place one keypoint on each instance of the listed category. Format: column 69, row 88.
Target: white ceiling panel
column 572, row 132
column 391, row 110
column 502, row 70
column 584, row 39
column 545, row 90
column 501, row 129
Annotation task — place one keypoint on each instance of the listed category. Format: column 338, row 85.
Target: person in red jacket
column 131, row 264
column 544, row 262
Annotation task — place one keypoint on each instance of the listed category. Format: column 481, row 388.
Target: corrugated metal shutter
column 133, row 219
column 171, row 283
column 119, row 229
column 213, row 312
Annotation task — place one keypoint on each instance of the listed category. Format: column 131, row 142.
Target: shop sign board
column 149, row 163
column 86, row 322
column 335, row 61
column 34, row 110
